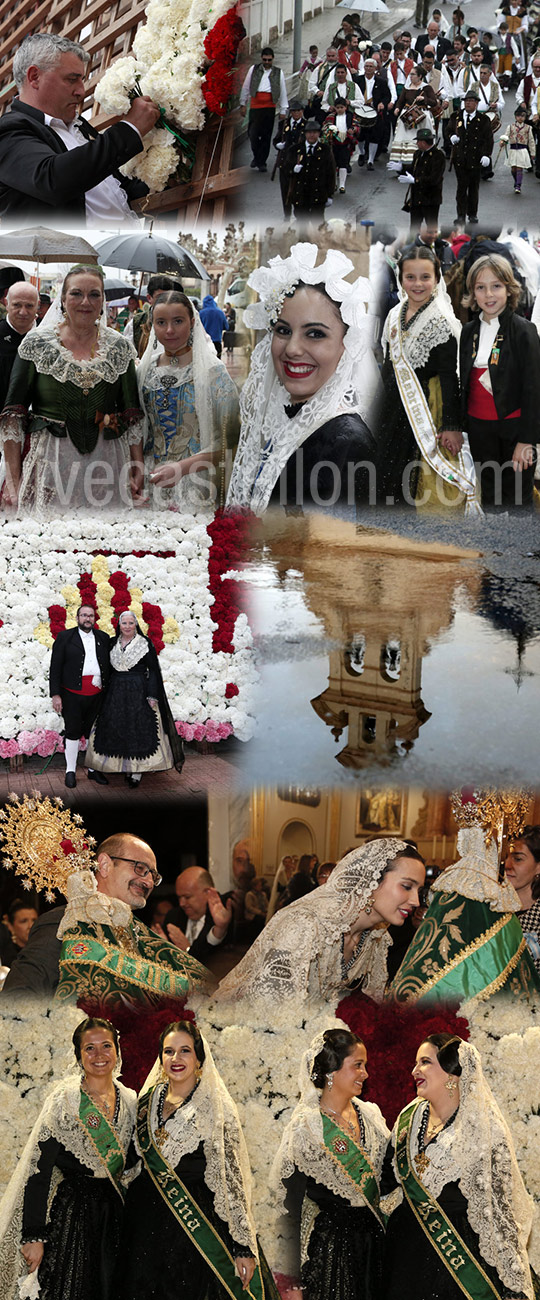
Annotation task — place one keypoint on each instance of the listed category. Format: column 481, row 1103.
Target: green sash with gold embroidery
column 467, row 1273
column 187, row 1213
column 114, row 967
column 464, row 950
column 104, row 1138
column 354, row 1161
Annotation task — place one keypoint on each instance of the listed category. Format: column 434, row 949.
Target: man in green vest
column 264, row 87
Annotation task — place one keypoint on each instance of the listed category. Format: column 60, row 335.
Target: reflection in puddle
column 379, row 652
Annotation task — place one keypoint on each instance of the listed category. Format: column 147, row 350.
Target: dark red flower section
column 231, row 689
column 154, row 618
column 139, row 1034
column 229, row 535
column 221, row 47
column 88, row 590
column 392, row 1036
column 57, row 619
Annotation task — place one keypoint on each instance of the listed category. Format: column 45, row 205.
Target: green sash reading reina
column 111, row 966
column 468, row 1274
column 355, row 1163
column 104, row 1138
column 188, row 1214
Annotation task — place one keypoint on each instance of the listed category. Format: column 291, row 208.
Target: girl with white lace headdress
column 465, row 1217
column 306, row 404
column 190, row 403
column 327, row 1173
column 336, row 936
column 73, row 390
column 60, row 1215
column 188, row 1228
column 424, row 455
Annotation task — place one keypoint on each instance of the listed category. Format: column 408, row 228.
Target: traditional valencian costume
column 131, row 735
column 462, row 1227
column 188, row 1213
column 189, row 409
column 78, row 414
column 421, row 398
column 68, row 1191
column 300, row 952
column 339, row 1238
column 470, row 943
column 332, row 426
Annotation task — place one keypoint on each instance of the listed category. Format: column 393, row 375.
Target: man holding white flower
column 51, row 159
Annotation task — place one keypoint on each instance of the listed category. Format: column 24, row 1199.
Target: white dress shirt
column 106, row 203
column 193, row 930
column 265, row 88
column 91, row 666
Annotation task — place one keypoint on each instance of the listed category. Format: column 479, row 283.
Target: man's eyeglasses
column 141, row 869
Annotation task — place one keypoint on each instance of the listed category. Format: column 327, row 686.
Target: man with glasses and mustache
column 265, row 88
column 95, row 949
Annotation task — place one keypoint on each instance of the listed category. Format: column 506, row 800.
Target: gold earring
column 198, row 1073
column 369, row 905
column 451, row 1084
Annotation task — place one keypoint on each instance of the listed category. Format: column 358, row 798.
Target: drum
column 366, row 113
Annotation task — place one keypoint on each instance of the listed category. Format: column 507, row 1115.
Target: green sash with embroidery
column 187, row 1213
column 355, row 1163
column 464, row 950
column 104, row 1138
column 467, row 1273
column 115, row 967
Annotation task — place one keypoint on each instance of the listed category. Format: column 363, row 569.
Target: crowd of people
column 412, row 103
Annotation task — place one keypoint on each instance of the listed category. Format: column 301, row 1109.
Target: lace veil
column 298, row 954
column 477, row 1152
column 475, row 874
column 59, row 1119
column 205, row 364
column 210, row 1116
column 302, row 1145
column 269, row 437
column 434, row 325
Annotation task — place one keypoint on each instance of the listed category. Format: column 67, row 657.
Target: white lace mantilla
column 476, row 1151
column 44, row 348
column 303, row 1147
column 427, row 329
column 210, row 1116
column 299, row 953
column 124, row 659
column 475, row 875
column 58, row 1119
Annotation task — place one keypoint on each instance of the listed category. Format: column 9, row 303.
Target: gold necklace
column 353, row 1128
column 106, row 1107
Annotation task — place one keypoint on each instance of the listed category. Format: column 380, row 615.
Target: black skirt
column 127, row 724
column 413, row 1270
column 345, row 1255
column 82, row 1241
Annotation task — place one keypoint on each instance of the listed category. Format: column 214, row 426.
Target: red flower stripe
column 228, row 534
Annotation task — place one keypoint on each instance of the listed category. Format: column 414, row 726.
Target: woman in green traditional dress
column 73, row 390
column 327, row 1171
column 465, row 1217
column 188, row 1231
column 74, row 1163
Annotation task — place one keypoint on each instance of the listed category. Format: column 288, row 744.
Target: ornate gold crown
column 44, row 842
column 493, row 810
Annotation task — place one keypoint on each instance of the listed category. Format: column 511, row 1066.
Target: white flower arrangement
column 42, row 569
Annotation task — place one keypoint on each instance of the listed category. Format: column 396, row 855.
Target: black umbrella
column 151, row 253
column 116, row 288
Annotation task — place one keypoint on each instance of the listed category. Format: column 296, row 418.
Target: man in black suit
column 288, row 138
column 433, row 37
column 472, row 140
column 78, row 674
column 22, row 302
column 52, row 162
column 200, row 922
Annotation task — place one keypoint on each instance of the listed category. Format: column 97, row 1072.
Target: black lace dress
column 345, row 1251
column 130, row 735
column 157, row 1260
column 398, row 451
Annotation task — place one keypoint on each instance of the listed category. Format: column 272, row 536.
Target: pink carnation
column 48, row 743
column 186, row 730
column 27, row 741
column 9, row 748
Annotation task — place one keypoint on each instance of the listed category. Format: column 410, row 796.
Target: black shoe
column 473, row 221
column 371, row 167
column 133, row 784
column 253, row 163
column 98, row 777
column 70, row 780
column 264, row 168
column 362, row 160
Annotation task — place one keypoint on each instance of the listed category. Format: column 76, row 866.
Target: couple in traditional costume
column 183, row 1227
column 464, row 1217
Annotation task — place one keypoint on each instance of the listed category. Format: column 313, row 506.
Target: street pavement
column 377, row 196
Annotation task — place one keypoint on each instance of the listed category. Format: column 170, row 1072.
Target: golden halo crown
column 492, row 810
column 43, row 842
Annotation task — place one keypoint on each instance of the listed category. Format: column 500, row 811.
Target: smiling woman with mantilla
column 304, row 439
column 463, row 1223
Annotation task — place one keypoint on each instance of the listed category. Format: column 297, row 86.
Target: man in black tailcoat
column 287, row 141
column 472, row 144
column 427, row 171
column 314, row 177
column 79, row 671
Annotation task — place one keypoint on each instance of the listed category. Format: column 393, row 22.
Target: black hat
column 471, row 93
column 425, row 134
column 10, row 275
column 313, row 125
column 295, row 104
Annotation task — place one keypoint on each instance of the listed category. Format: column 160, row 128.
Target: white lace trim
column 45, row 349
column 155, row 374
column 426, row 330
column 302, row 1147
column 136, row 649
column 477, row 1152
column 87, row 904
column 475, row 875
column 211, row 1116
column 299, row 953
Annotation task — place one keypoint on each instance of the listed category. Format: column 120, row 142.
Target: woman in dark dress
column 522, row 870
column 327, row 1173
column 188, row 1232
column 304, row 439
column 500, row 379
column 64, row 1202
column 423, row 455
column 134, row 732
column 463, row 1224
